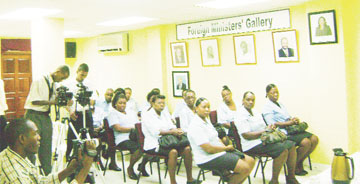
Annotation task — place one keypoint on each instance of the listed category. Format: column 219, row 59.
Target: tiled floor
column 117, row 177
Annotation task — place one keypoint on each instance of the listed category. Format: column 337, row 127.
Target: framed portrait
column 285, row 46
column 180, row 82
column 179, row 54
column 322, row 27
column 244, row 49
column 210, row 52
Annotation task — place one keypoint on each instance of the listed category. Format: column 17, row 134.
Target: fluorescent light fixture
column 222, row 4
column 70, row 33
column 29, row 13
column 125, row 21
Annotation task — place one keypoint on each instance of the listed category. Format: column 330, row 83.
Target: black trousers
column 3, row 142
column 78, row 124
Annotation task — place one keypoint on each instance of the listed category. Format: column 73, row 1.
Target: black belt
column 38, row 112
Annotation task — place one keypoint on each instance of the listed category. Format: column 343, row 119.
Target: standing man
column 131, row 104
column 37, row 105
column 3, row 108
column 76, row 110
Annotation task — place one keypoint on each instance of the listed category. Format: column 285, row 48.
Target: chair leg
column 166, row 171
column 158, row 167
column 123, row 165
column 177, row 172
column 198, row 177
column 257, row 167
column 310, row 162
column 151, row 168
column 249, row 180
column 262, row 170
column 105, row 166
column 139, row 176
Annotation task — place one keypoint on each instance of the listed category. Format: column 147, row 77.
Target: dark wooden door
column 16, row 72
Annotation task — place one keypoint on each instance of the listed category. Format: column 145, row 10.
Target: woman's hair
column 157, row 97
column 323, row 19
column 247, row 92
column 119, row 90
column 152, row 93
column 225, row 87
column 116, row 98
column 199, row 100
column 269, row 87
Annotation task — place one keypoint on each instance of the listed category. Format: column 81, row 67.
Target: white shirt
column 72, row 85
column 178, row 108
column 199, row 133
column 146, row 108
column 273, row 113
column 127, row 120
column 225, row 114
column 3, row 105
column 39, row 91
column 244, row 123
column 102, row 110
column 131, row 105
column 186, row 116
column 152, row 124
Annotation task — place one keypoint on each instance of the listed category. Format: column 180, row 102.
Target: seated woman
column 210, row 153
column 226, row 111
column 250, row 126
column 275, row 114
column 156, row 123
column 122, row 122
column 188, row 111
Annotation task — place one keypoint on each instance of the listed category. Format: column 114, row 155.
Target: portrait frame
column 210, row 52
column 177, row 78
column 244, row 49
column 285, row 46
column 325, row 34
column 179, row 55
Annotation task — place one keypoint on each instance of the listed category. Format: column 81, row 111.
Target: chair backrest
column 236, row 136
column 110, row 138
column 213, row 117
column 140, row 135
column 177, row 121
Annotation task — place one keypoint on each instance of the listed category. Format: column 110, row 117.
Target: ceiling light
column 29, row 13
column 222, row 4
column 125, row 21
column 71, row 33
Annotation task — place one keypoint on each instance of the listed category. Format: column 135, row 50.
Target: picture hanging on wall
column 322, row 27
column 179, row 54
column 210, row 52
column 285, row 46
column 180, row 82
column 244, row 49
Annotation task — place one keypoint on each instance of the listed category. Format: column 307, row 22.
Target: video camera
column 83, row 95
column 63, row 96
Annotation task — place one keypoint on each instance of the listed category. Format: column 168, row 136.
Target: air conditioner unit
column 114, row 42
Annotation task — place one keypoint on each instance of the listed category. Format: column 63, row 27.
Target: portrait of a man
column 180, row 84
column 285, row 50
column 179, row 54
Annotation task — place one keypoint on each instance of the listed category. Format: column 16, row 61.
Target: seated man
column 24, row 140
column 188, row 112
column 131, row 104
column 180, row 105
column 102, row 109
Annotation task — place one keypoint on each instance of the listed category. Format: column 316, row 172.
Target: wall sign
column 248, row 23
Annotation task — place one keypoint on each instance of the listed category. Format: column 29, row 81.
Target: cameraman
column 76, row 115
column 24, row 140
column 37, row 105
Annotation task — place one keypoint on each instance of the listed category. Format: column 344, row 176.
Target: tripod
column 59, row 163
column 84, row 132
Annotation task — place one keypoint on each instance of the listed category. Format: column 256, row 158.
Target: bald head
column 109, row 94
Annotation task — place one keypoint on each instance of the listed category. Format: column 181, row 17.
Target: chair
column 237, row 141
column 309, row 159
column 141, row 138
column 110, row 140
column 203, row 171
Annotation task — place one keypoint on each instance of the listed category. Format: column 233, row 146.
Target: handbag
column 133, row 135
column 271, row 136
column 298, row 128
column 171, row 141
column 220, row 130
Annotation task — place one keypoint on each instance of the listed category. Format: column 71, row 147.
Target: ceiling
column 83, row 15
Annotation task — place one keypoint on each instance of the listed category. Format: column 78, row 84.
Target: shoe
column 194, row 182
column 114, row 168
column 132, row 174
column 142, row 171
column 292, row 181
column 301, row 173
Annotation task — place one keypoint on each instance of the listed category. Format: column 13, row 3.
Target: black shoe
column 301, row 173
column 194, row 182
column 114, row 168
column 142, row 171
